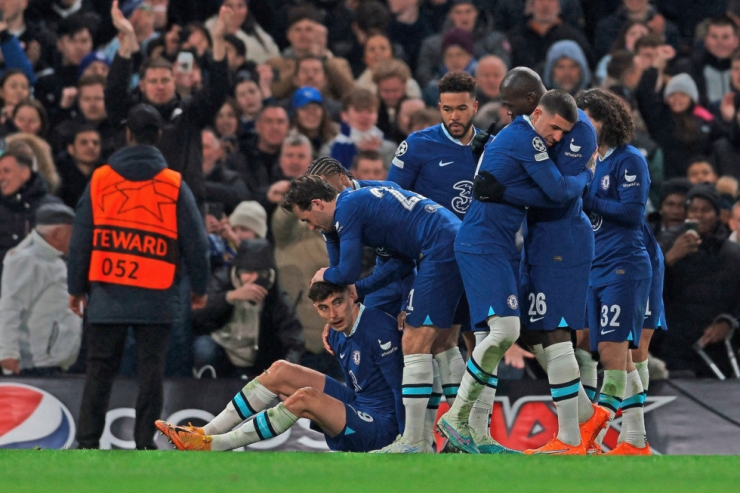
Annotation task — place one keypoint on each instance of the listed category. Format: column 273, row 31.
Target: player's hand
column 224, row 23
column 198, row 301
column 515, row 356
column 478, row 144
column 684, row 245
column 254, row 293
column 657, row 24
column 213, row 225
column 716, row 332
column 78, row 304
column 591, row 164
column 11, row 365
column 120, row 22
column 486, row 188
column 325, row 339
column 319, row 277
column 402, row 320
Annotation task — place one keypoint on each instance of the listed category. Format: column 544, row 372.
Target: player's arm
column 632, row 195
column 385, row 272
column 349, row 231
column 405, row 165
column 332, row 248
column 391, row 367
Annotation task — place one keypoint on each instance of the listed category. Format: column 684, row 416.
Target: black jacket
column 697, row 289
column 181, row 143
column 225, row 186
column 281, row 333
column 73, row 181
column 17, row 213
column 117, row 304
column 663, row 127
column 529, row 49
column 112, row 136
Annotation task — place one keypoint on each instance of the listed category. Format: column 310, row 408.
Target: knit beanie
column 251, row 215
column 682, row 83
column 458, row 37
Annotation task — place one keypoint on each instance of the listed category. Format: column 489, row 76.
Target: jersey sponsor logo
column 402, row 148
column 596, row 221
column 431, row 209
column 356, row 357
column 442, row 165
column 628, row 177
column 512, row 302
column 541, row 156
column 462, row 201
column 605, row 182
column 574, row 147
column 539, row 145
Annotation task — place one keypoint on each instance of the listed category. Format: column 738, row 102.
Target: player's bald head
column 521, row 90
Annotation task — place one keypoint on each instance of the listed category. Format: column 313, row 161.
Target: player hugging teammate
column 444, row 227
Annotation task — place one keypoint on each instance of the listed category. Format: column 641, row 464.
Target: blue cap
column 306, row 95
column 89, row 59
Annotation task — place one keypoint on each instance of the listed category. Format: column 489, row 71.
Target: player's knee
column 280, row 367
column 504, row 330
column 301, row 400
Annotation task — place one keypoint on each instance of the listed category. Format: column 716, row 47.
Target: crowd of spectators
column 247, row 110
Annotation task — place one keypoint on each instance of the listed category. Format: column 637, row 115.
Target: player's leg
column 495, row 305
column 430, row 419
column 281, row 378
column 451, row 365
column 307, row 402
column 633, row 421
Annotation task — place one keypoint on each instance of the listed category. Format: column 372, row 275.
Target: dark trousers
column 104, row 350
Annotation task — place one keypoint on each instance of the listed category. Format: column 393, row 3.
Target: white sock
column 610, row 397
column 562, row 373
column 484, row 360
column 253, row 398
column 480, row 414
column 416, row 389
column 539, row 355
column 265, row 425
column 433, row 405
column 451, row 370
column 587, row 366
column 642, row 370
column 633, row 416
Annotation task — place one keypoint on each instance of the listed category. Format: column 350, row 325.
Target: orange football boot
column 556, row 447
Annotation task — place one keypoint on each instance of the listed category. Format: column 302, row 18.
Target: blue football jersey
column 651, row 246
column 399, row 224
column 563, row 234
column 616, row 204
column 438, row 166
column 519, row 159
column 372, row 362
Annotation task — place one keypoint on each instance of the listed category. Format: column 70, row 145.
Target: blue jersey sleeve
column 633, row 184
column 332, row 248
column 406, row 164
column 535, row 160
column 349, row 230
column 385, row 272
column 390, row 363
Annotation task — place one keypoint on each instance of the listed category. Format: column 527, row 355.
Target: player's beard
column 466, row 129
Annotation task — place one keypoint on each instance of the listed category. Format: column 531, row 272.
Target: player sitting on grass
column 367, row 417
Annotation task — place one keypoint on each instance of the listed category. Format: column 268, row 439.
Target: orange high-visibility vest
column 135, row 229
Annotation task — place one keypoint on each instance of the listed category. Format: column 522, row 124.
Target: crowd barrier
column 681, row 416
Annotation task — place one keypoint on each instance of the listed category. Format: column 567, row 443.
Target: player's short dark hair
column 327, row 166
column 83, row 128
column 617, row 127
column 368, row 154
column 305, row 189
column 559, row 102
column 319, row 291
column 457, row 82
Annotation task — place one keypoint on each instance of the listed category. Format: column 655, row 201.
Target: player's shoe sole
column 164, row 425
column 557, row 447
column 400, row 446
column 591, row 428
column 490, row 446
column 182, row 438
column 625, row 448
column 458, row 435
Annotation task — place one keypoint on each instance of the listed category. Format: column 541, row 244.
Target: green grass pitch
column 275, row 472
